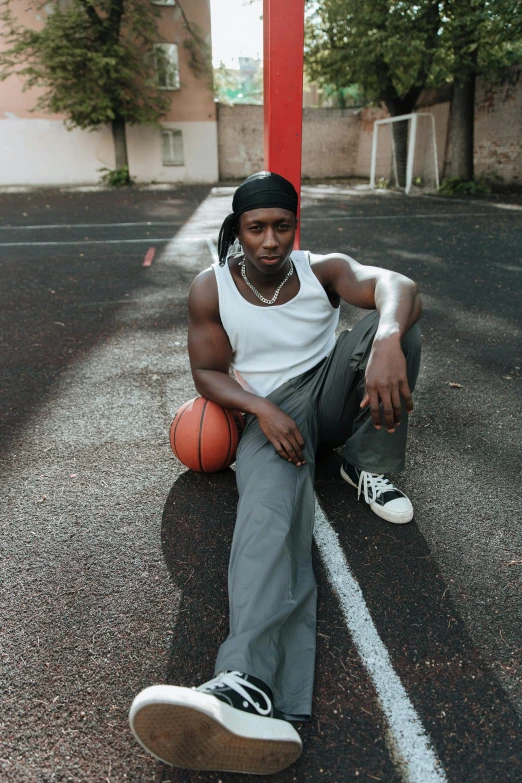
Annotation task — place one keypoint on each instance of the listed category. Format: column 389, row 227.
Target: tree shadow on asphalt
column 456, row 263
column 198, row 523
column 461, row 705
column 465, row 711
column 58, row 303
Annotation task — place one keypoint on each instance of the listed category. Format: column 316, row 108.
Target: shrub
column 117, row 178
column 382, row 183
column 452, row 186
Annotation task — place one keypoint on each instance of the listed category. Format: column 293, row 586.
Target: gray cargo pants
column 271, row 584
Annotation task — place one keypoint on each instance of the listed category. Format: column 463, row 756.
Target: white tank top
column 273, row 344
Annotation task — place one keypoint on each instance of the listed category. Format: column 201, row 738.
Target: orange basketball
column 204, row 435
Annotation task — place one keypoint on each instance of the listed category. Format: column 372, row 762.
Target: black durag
column 261, row 190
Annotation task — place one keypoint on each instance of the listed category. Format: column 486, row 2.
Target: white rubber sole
column 395, row 517
column 194, row 730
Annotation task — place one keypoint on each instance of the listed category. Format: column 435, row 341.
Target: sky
column 237, row 30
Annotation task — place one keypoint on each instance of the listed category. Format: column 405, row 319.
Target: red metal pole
column 283, row 32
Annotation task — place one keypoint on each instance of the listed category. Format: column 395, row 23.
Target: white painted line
column 443, row 215
column 89, row 225
column 501, row 205
column 435, row 216
column 213, row 250
column 88, row 242
column 408, row 742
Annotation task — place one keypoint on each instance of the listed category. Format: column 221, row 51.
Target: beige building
column 37, row 149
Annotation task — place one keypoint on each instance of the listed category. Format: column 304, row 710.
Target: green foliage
column 117, row 178
column 385, row 46
column 91, row 58
column 198, row 48
column 381, row 183
column 392, row 49
column 234, row 86
column 477, row 37
column 452, row 186
column 341, row 97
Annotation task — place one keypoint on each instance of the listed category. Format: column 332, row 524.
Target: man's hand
column 281, row 431
column 386, row 381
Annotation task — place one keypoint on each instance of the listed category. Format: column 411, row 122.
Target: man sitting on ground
column 270, row 313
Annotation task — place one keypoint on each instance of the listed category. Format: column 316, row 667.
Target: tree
column 392, row 49
column 478, row 37
column 385, row 46
column 94, row 59
column 235, row 86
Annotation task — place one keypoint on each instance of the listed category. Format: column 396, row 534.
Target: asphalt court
column 114, row 557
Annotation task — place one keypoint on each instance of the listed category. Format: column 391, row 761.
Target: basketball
column 204, row 435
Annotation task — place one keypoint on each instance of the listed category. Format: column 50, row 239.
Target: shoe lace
column 373, row 484
column 234, row 680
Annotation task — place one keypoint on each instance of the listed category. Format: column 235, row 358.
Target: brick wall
column 337, row 143
column 498, row 128
column 330, row 139
column 240, row 140
column 364, row 146
column 364, row 141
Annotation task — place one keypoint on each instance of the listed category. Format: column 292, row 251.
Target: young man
column 270, row 313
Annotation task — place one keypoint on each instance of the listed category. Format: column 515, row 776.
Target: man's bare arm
column 369, row 287
column 398, row 302
column 209, row 348
column 210, row 356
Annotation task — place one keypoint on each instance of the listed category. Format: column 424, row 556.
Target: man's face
column 267, row 237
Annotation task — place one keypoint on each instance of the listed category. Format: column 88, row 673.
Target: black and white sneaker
column 224, row 725
column 382, row 496
column 242, row 691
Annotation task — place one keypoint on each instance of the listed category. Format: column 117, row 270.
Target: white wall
column 43, row 152
column 199, row 149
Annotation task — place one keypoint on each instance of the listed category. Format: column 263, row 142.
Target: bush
column 382, row 183
column 452, row 186
column 117, row 178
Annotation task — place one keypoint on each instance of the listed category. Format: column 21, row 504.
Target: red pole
column 283, row 32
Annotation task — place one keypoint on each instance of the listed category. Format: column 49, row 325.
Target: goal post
column 404, row 153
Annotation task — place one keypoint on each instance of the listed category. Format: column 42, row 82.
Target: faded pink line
column 149, row 255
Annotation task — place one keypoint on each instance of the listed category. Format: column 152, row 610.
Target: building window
column 163, row 2
column 166, row 64
column 172, row 147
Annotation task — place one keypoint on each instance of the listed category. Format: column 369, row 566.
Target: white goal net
column 404, row 153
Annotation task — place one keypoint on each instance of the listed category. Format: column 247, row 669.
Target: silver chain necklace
column 254, row 289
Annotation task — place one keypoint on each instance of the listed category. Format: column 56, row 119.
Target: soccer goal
column 404, row 153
